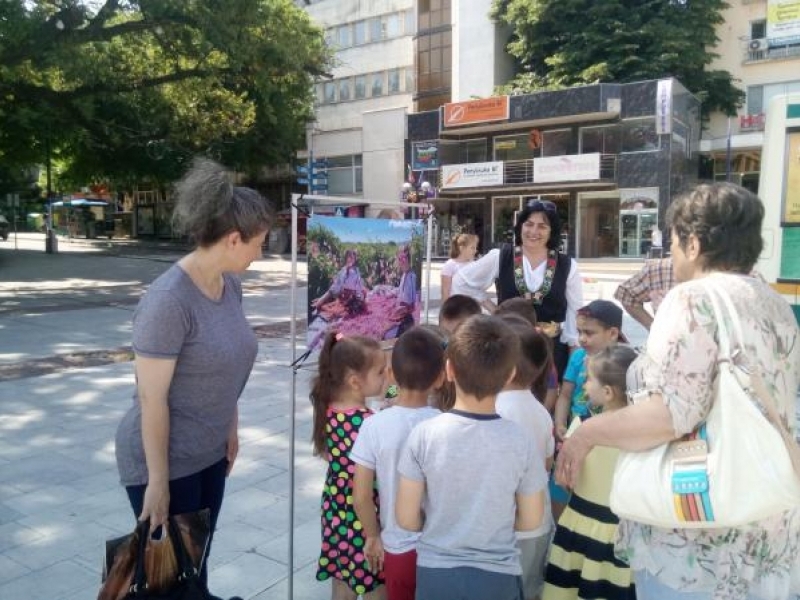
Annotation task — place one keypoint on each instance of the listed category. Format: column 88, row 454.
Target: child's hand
column 373, row 551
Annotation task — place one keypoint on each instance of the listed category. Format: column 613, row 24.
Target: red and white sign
column 573, row 167
column 476, row 111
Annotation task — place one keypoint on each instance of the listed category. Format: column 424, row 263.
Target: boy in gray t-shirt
column 476, row 477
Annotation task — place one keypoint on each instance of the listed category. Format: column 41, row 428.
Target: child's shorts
column 533, row 558
column 467, row 583
column 400, row 574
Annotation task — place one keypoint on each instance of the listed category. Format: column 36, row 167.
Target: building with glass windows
column 609, row 155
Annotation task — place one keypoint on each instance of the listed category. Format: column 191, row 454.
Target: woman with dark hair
column 534, row 269
column 193, row 353
column 716, row 241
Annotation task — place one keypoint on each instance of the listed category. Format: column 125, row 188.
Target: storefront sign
column 575, row 167
column 472, row 175
column 783, row 20
column 791, row 201
column 424, row 156
column 664, row 107
column 476, row 111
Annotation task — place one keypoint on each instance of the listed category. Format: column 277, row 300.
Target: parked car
column 5, row 226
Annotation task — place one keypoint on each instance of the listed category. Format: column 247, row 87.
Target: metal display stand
column 306, row 204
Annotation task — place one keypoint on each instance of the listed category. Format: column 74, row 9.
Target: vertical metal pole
column 292, row 416
column 428, row 252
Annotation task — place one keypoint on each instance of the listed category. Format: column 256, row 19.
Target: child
column 582, row 562
column 472, row 472
column 545, row 387
column 518, row 404
column 350, row 369
column 599, row 326
column 455, row 310
column 418, row 369
column 462, row 252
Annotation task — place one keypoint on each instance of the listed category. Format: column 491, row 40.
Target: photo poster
column 364, row 277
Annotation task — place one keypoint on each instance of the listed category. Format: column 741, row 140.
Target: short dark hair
column 548, row 209
column 482, row 352
column 726, row 218
column 418, row 359
column 518, row 306
column 535, row 356
column 458, row 307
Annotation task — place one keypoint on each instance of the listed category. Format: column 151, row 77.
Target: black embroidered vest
column 554, row 305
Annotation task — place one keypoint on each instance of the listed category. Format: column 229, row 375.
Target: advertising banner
column 574, row 167
column 476, row 111
column 364, row 277
column 472, row 175
column 791, row 189
column 664, row 107
column 783, row 20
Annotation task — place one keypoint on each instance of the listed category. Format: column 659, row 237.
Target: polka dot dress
column 342, row 554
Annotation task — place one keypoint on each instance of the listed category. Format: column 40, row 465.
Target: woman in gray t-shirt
column 194, row 351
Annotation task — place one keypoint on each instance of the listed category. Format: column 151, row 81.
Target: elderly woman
column 194, row 351
column 535, row 270
column 716, row 237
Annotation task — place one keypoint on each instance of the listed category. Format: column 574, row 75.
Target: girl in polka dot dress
column 350, row 369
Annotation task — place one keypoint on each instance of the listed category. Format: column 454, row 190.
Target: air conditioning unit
column 757, row 45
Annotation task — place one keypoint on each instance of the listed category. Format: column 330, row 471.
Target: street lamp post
column 414, row 192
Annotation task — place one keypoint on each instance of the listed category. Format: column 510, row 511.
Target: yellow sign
column 505, row 145
column 783, row 19
column 791, row 201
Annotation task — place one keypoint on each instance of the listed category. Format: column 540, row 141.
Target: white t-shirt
column 452, row 266
column 380, row 441
column 522, row 407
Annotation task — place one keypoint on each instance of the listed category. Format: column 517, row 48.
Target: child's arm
column 562, row 408
column 363, row 484
column 530, row 511
column 408, row 509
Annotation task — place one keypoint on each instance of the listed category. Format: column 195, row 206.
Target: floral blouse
column 762, row 559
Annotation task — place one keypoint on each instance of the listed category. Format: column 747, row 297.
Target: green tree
column 127, row 89
column 562, row 43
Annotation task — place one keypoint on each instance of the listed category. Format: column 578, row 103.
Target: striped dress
column 581, row 563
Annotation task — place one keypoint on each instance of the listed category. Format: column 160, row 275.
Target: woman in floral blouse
column 716, row 236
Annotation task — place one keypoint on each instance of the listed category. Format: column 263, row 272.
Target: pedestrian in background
column 650, row 284
column 194, row 351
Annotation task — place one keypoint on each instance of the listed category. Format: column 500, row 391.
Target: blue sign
column 302, row 169
column 319, row 188
column 302, row 180
column 322, row 163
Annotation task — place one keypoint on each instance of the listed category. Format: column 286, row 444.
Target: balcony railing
column 761, row 49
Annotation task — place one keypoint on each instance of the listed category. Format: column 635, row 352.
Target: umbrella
column 78, row 202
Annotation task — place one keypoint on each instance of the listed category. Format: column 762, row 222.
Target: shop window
column 464, row 151
column 602, row 139
column 639, row 135
column 755, row 99
column 556, row 142
column 345, row 174
column 513, row 147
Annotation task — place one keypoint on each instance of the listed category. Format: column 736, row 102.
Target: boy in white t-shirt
column 418, row 369
column 517, row 403
column 475, row 476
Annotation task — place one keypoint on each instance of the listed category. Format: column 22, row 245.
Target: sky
column 353, row 230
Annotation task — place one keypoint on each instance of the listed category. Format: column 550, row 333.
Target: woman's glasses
column 545, row 205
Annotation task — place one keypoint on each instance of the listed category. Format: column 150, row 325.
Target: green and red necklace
column 519, row 277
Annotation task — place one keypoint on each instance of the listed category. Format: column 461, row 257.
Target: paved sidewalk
column 59, row 491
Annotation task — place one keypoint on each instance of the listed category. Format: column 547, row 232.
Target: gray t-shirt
column 215, row 349
column 472, row 466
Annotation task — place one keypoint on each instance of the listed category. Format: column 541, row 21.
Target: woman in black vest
column 533, row 269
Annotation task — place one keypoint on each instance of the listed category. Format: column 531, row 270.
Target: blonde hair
column 461, row 241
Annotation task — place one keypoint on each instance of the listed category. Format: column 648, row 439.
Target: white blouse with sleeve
column 475, row 278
